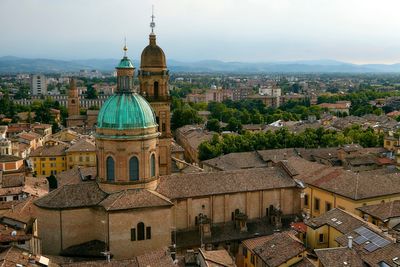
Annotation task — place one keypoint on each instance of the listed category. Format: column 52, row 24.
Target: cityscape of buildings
column 146, row 167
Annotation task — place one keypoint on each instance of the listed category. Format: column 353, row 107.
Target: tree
column 53, row 184
column 184, row 116
column 91, row 92
column 234, row 125
column 213, row 125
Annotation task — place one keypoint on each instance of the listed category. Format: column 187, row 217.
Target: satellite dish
column 14, row 233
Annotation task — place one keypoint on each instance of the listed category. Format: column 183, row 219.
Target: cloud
column 247, row 30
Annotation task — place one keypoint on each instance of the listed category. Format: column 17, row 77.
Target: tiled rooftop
column 280, row 248
column 213, row 183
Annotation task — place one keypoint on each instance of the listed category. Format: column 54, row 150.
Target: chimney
column 350, row 243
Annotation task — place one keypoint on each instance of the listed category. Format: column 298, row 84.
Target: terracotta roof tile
column 383, row 211
column 82, row 145
column 236, row 161
column 338, row 257
column 14, row 256
column 357, row 186
column 9, row 158
column 305, row 262
column 73, row 196
column 73, row 176
column 223, row 182
column 48, row 151
column 22, row 211
column 158, row 257
column 134, row 199
column 279, row 249
column 252, row 243
column 385, row 254
column 216, row 258
column 341, row 220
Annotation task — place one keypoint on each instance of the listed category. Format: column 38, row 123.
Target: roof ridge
column 366, row 223
column 159, row 195
column 121, row 193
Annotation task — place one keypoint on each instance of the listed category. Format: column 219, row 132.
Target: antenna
column 152, row 23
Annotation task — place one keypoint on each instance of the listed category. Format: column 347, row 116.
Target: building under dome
column 127, row 136
column 134, row 206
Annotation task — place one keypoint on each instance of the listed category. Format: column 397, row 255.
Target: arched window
column 140, row 231
column 155, row 90
column 153, row 165
column 110, row 169
column 133, row 169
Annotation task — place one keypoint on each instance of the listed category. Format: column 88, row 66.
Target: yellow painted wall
column 390, row 144
column 330, row 234
column 247, row 259
column 45, row 166
column 338, row 201
column 313, row 237
column 83, row 159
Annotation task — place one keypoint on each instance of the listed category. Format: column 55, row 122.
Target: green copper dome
column 126, row 112
column 125, row 63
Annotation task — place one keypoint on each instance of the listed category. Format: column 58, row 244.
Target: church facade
column 135, row 205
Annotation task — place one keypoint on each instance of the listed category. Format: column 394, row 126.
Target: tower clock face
column 152, row 24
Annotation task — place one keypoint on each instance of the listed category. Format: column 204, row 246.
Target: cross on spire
column 152, row 23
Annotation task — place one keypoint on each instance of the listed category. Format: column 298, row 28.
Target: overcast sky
column 358, row 31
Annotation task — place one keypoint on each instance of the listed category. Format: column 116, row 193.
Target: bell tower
column 73, row 99
column 153, row 78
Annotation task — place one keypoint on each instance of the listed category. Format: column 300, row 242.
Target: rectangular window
column 306, row 200
column 321, row 238
column 87, row 159
column 43, row 173
column 316, row 204
column 252, row 259
column 244, row 252
column 70, row 158
column 80, row 159
column 148, row 232
column 15, row 197
column 52, row 159
column 133, row 234
column 328, row 206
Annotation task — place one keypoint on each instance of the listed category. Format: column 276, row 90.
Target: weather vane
column 152, row 23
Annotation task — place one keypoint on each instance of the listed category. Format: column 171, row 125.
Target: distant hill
column 11, row 64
